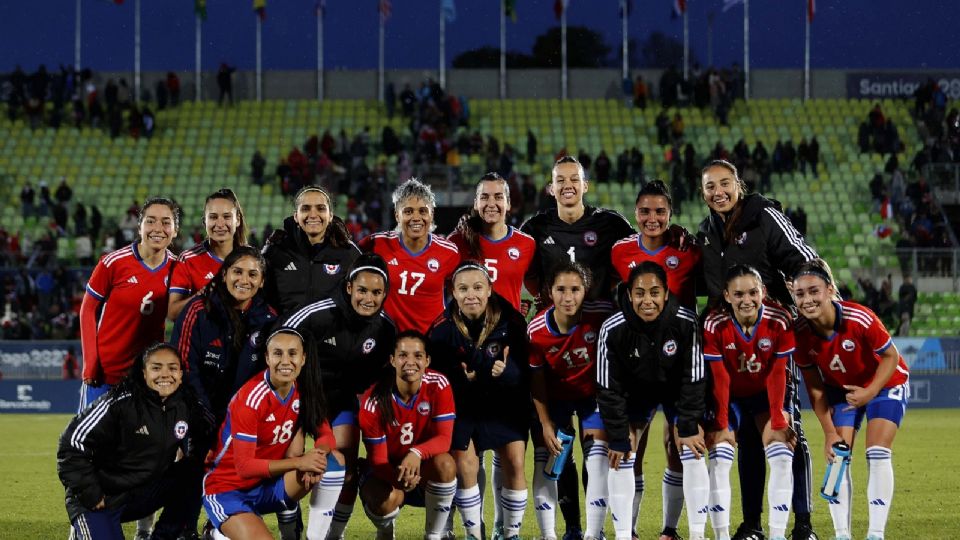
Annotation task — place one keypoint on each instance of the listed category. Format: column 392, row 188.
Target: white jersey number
column 282, row 434
column 837, row 365
column 417, row 279
column 146, row 304
column 406, row 433
column 491, row 265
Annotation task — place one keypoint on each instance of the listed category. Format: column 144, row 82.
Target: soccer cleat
column 497, row 532
column 573, row 534
column 385, row 533
column 142, row 535
column 874, row 537
column 450, row 535
column 803, row 532
column 745, row 532
column 669, row 533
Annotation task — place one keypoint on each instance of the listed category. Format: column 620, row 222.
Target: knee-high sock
column 721, row 461
column 696, row 491
column 383, row 524
column 146, row 524
column 341, row 516
column 497, row 485
column 438, row 500
column 323, row 499
column 597, row 462
column 544, row 495
column 879, row 487
column 638, row 486
column 514, row 502
column 620, row 486
column 672, row 489
column 290, row 523
column 840, row 509
column 780, row 488
column 468, row 501
column 568, row 495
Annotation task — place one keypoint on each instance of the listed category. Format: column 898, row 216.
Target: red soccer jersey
column 681, row 266
column 133, row 313
column 424, row 425
column 195, row 268
column 416, row 279
column 745, row 366
column 507, row 260
column 851, row 354
column 258, row 428
column 569, row 359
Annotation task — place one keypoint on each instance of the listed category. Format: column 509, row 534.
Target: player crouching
column 407, row 424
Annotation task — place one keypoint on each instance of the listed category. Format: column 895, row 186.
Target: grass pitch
column 926, row 464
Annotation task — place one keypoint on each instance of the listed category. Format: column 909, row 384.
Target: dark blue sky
column 846, row 33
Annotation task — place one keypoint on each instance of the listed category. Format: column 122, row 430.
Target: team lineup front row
column 417, row 347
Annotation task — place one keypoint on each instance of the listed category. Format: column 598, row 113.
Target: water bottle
column 556, row 463
column 835, row 471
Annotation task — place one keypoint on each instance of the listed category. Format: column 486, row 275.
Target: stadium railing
column 945, row 178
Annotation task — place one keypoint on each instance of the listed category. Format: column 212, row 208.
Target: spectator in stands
column 640, row 93
column 225, row 82
column 871, row 296
column 531, row 147
column 149, row 122
column 173, row 88
column 257, row 167
column 669, row 82
column 799, row 220
column 636, row 166
column 28, row 199
column 677, row 128
column 96, row 222
column 623, row 166
column 663, row 127
column 602, row 167
column 135, row 122
column 63, row 193
column 60, row 218
column 70, row 364
column 163, row 95
column 789, row 157
column 408, row 101
column 907, row 297
column 79, row 219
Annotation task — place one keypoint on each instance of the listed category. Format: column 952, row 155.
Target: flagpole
column 259, row 59
column 623, row 31
column 806, row 52
column 196, row 57
column 503, row 49
column 686, row 45
column 443, row 40
column 136, row 51
column 321, row 12
column 746, row 50
column 380, row 74
column 563, row 51
column 76, row 42
column 710, row 18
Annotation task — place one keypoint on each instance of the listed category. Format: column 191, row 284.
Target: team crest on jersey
column 590, row 337
column 433, row 265
column 590, row 238
column 368, row 345
column 180, row 429
column 331, row 268
column 253, row 338
column 423, row 408
column 765, row 344
column 848, row 345
column 513, row 253
column 493, row 350
column 296, row 406
column 742, row 238
column 672, row 262
column 670, row 347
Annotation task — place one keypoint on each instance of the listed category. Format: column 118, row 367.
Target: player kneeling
column 266, row 419
column 407, row 424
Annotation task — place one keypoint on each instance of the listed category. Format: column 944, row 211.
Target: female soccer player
column 747, row 343
column 649, row 354
column 308, row 257
column 654, row 207
column 253, row 474
column 480, row 344
column 126, row 301
column 127, row 455
column 419, row 261
column 852, row 369
column 563, row 352
column 354, row 340
column 483, row 235
column 407, row 422
column 226, row 229
column 749, row 229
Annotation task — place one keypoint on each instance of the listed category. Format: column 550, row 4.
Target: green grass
column 926, row 462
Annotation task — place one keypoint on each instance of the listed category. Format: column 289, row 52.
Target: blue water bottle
column 556, row 463
column 835, row 471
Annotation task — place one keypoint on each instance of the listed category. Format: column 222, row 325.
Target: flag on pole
column 320, row 8
column 510, row 9
column 730, row 4
column 260, row 7
column 449, row 10
column 385, row 8
column 679, row 8
column 200, row 8
column 811, row 9
column 559, row 6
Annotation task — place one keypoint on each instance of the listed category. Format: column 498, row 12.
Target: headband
column 814, row 272
column 471, row 266
column 367, row 268
column 287, row 330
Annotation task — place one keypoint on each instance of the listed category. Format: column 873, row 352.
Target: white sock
column 544, row 496
column 514, row 502
column 598, row 467
column 341, row 515
column 638, row 486
column 696, row 491
column 468, row 502
column 497, row 480
column 721, row 461
column 438, row 500
column 879, row 487
column 619, row 484
column 146, row 524
column 323, row 499
column 672, row 489
column 383, row 524
column 779, row 486
column 840, row 510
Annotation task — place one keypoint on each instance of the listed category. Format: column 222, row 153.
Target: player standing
column 852, row 369
column 418, row 260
